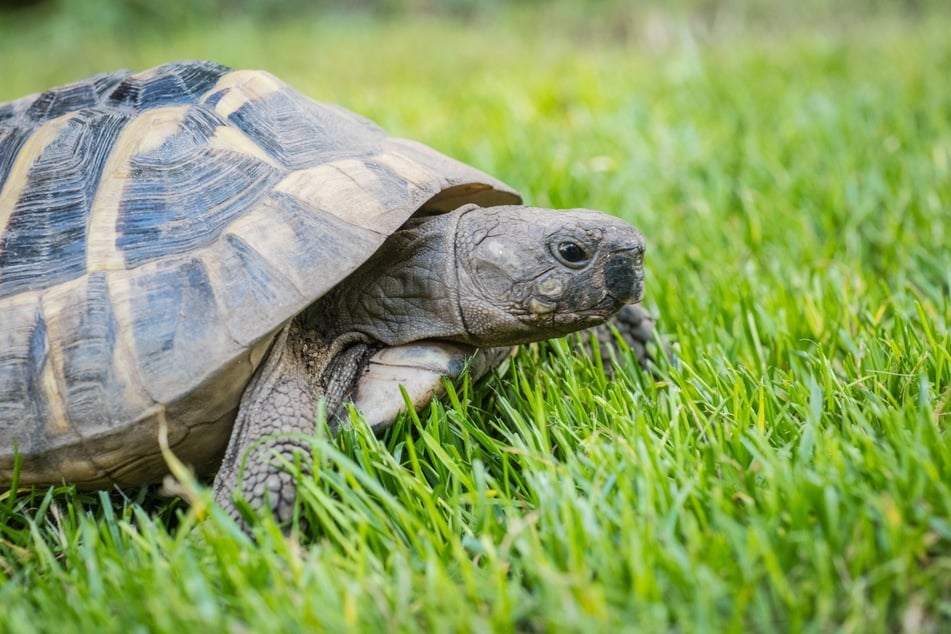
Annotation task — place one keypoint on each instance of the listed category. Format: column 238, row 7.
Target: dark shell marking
column 156, row 229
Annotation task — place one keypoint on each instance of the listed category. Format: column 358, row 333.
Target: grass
column 791, row 473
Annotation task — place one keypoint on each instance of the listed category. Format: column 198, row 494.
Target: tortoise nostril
column 621, row 279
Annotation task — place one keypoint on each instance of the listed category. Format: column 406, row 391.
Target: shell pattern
column 156, row 230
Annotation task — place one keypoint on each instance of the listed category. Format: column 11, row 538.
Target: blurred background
column 134, row 13
column 49, row 41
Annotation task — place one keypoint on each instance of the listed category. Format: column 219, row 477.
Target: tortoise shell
column 156, row 230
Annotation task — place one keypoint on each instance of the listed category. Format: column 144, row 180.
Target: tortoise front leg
column 278, row 412
column 636, row 327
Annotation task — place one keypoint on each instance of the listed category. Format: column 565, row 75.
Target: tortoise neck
column 406, row 292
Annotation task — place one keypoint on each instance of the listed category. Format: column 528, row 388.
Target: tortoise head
column 526, row 274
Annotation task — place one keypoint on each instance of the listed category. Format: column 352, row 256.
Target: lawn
column 791, row 472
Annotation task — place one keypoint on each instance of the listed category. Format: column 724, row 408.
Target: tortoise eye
column 571, row 253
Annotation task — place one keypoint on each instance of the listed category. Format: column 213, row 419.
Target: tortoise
column 207, row 255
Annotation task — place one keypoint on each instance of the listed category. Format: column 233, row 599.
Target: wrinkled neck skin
column 406, row 292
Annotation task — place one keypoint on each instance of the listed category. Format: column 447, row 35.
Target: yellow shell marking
column 233, row 140
column 141, row 135
column 17, row 178
column 243, row 86
column 324, row 186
